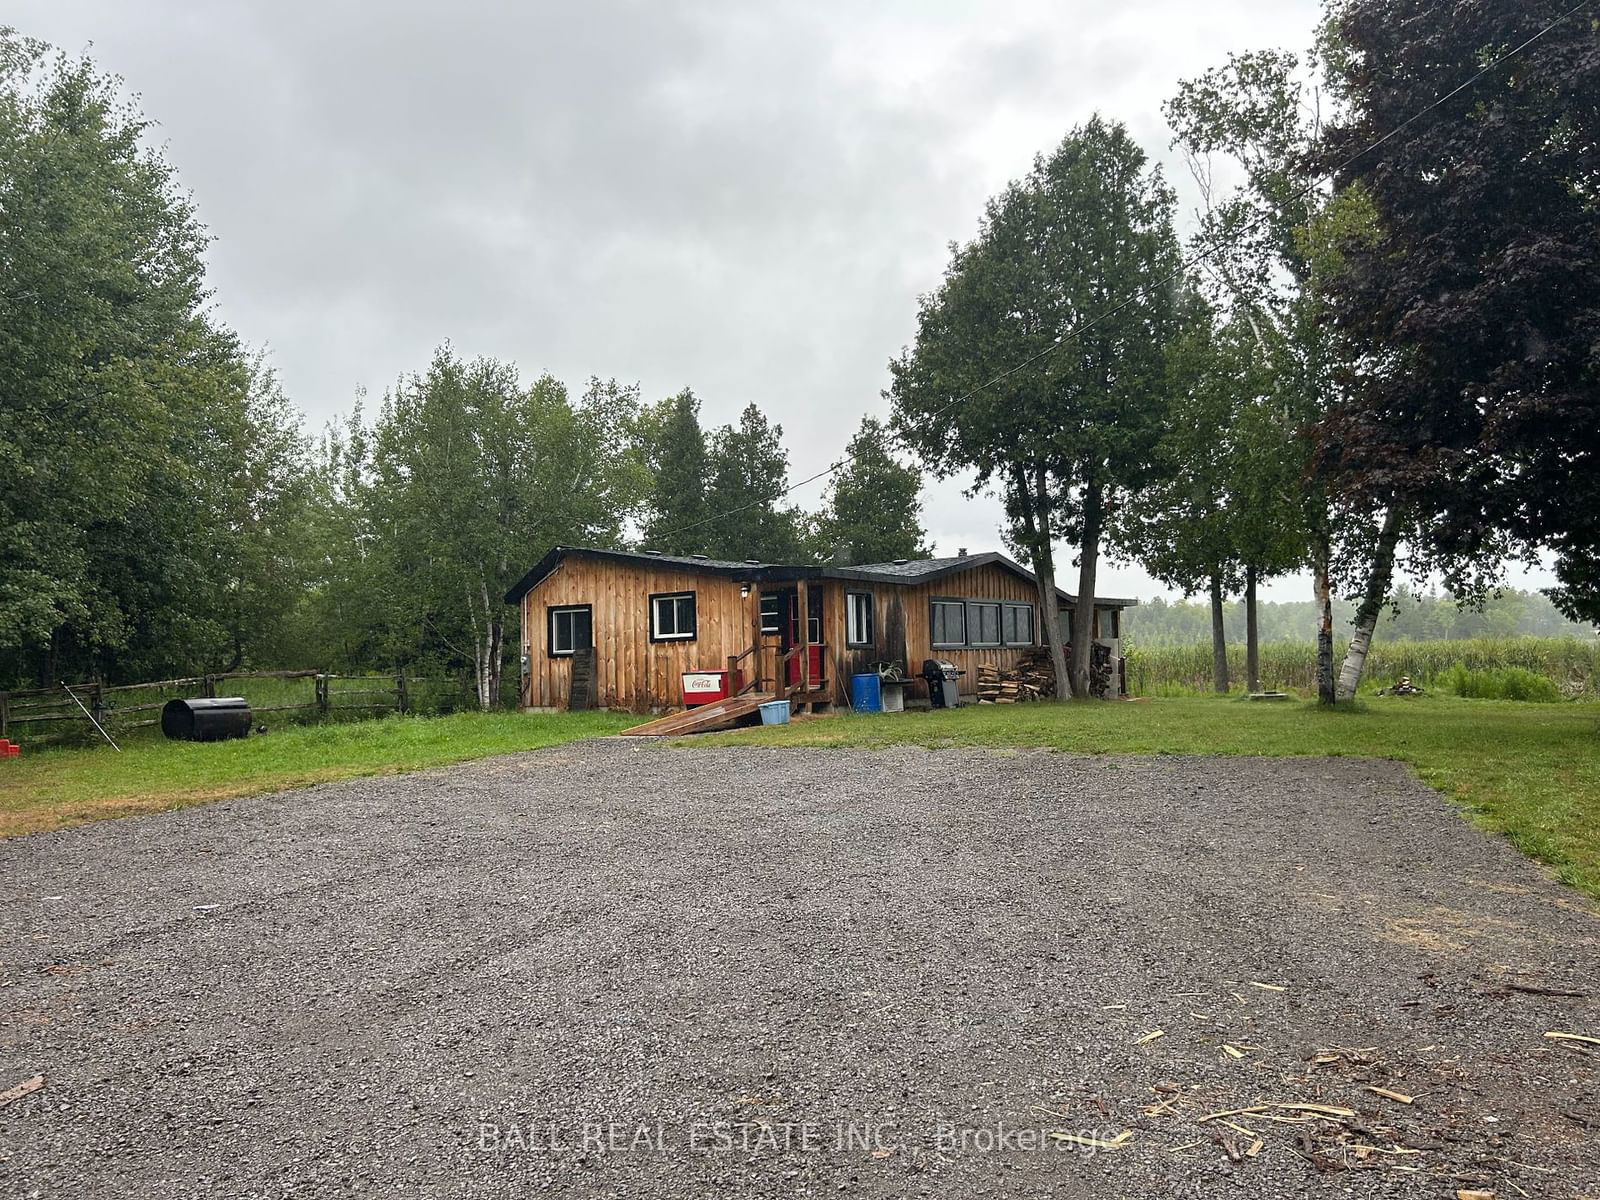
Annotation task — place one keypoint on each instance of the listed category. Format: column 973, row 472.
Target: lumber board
column 720, row 715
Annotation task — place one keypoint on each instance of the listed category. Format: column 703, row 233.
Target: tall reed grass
column 1570, row 665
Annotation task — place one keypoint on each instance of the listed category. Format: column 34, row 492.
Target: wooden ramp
column 704, row 719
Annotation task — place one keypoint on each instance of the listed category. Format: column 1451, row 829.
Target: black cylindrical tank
column 206, row 720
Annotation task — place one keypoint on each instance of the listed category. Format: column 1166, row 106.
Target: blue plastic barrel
column 866, row 693
column 775, row 712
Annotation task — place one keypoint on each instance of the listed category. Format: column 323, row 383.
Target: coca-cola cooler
column 708, row 687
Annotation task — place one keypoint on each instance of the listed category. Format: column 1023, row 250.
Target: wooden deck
column 721, row 715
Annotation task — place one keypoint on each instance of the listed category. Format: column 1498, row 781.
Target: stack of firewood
column 1031, row 679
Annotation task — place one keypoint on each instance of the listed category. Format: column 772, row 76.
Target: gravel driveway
column 623, row 969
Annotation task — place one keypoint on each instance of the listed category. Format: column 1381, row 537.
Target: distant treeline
column 1414, row 616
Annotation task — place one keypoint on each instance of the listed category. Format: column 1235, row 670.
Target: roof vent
column 961, row 553
column 900, row 562
column 701, row 557
column 657, row 553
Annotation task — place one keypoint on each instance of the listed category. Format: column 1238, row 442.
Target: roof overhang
column 780, row 572
column 754, row 572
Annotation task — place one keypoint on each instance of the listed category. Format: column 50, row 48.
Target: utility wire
column 1180, row 270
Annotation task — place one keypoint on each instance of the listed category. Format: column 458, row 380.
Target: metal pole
column 90, row 715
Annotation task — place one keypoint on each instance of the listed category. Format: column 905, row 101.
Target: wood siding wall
column 986, row 583
column 631, row 671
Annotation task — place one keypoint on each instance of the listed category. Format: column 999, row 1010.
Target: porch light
column 744, row 591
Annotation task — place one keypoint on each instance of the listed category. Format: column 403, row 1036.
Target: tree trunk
column 496, row 660
column 1252, row 633
column 1379, row 577
column 1321, row 569
column 1044, row 571
column 486, row 646
column 1219, row 639
column 1033, row 508
column 1083, row 609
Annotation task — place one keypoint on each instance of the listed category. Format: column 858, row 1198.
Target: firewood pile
column 1033, row 678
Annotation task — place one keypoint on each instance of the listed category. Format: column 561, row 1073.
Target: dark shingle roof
column 910, row 571
column 917, row 568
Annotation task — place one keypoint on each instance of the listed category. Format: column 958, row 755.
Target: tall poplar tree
column 146, row 459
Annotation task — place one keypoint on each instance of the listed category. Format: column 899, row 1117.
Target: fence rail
column 279, row 692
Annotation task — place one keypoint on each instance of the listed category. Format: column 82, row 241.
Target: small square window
column 672, row 617
column 571, row 629
column 858, row 619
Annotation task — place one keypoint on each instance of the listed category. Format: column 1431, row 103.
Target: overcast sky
column 743, row 198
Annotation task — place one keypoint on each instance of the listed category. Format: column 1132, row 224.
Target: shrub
column 1570, row 666
column 1501, row 683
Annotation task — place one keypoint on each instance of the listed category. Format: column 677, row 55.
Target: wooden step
column 721, row 715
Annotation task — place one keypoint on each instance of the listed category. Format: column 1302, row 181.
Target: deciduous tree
column 1039, row 361
column 1476, row 296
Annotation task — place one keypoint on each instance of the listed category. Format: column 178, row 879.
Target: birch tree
column 474, row 476
column 1258, row 113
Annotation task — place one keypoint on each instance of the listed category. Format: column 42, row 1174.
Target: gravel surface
column 624, row 969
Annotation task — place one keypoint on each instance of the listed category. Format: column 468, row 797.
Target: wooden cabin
column 799, row 631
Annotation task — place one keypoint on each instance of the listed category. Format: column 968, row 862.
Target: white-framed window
column 858, row 619
column 1019, row 625
column 571, row 629
column 672, row 617
column 947, row 620
column 771, row 613
column 983, row 623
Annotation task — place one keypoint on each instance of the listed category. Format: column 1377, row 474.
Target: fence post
column 5, row 712
column 322, row 695
column 402, row 697
column 97, row 699
column 208, row 687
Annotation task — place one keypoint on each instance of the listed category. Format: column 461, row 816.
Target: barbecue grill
column 942, row 678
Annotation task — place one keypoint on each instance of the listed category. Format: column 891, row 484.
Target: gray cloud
column 744, row 198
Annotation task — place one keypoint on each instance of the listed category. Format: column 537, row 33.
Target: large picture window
column 1019, row 625
column 983, row 623
column 858, row 619
column 948, row 621
column 571, row 629
column 672, row 617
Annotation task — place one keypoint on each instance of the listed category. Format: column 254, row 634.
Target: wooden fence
column 302, row 695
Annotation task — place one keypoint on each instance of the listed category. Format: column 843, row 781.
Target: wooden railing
column 806, row 684
column 753, row 683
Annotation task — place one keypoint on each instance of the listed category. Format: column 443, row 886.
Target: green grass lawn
column 52, row 789
column 1528, row 771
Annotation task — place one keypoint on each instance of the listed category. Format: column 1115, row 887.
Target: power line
column 1180, row 270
